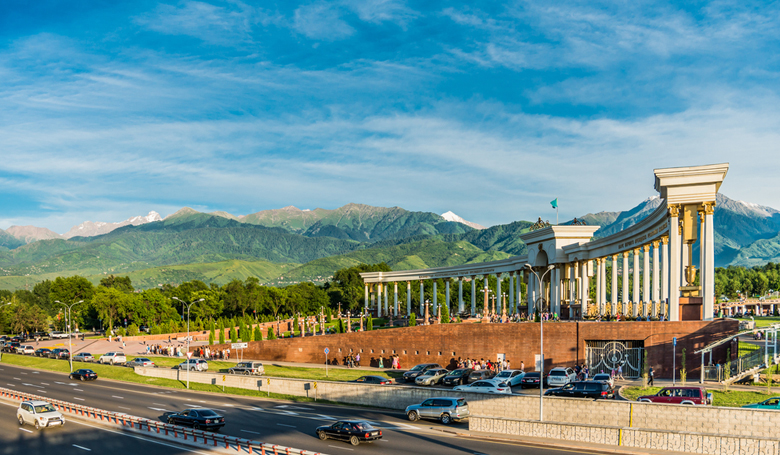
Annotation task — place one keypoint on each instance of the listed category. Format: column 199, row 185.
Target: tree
column 370, row 323
column 110, row 304
column 120, row 283
column 412, row 320
column 233, row 335
column 348, row 287
column 258, row 334
column 271, row 333
column 221, row 332
column 295, row 325
column 211, row 332
column 445, row 314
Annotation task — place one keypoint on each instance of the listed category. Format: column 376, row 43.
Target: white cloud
column 377, row 11
column 322, row 21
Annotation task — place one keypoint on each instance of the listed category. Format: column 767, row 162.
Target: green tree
column 258, row 334
column 211, row 332
column 271, row 333
column 445, row 314
column 295, row 327
column 370, row 323
column 412, row 320
column 233, row 335
column 132, row 330
column 221, row 332
column 120, row 283
column 111, row 304
column 348, row 287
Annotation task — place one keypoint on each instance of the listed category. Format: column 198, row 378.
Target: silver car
column 431, row 377
column 38, row 413
column 560, row 376
column 194, row 364
column 83, row 357
column 445, row 409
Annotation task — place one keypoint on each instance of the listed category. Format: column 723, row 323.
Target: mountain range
column 289, row 244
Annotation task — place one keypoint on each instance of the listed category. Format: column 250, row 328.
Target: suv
column 431, row 377
column 247, row 368
column 418, row 370
column 445, row 409
column 57, row 334
column 560, row 376
column 59, row 353
column 38, row 413
column 194, row 364
column 584, row 389
column 679, row 395
column 113, row 358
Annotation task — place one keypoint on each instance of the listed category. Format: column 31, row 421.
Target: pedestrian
column 650, row 375
column 522, row 366
column 357, row 359
column 620, row 372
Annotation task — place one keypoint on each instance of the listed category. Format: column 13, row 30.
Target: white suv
column 560, row 376
column 194, row 364
column 113, row 358
column 38, row 413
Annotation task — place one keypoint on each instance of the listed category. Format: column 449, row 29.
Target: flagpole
column 556, row 214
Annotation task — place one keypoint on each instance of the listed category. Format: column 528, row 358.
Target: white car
column 113, row 358
column 140, row 362
column 604, row 377
column 484, row 386
column 57, row 334
column 431, row 377
column 560, row 376
column 511, row 377
column 194, row 364
column 38, row 413
column 25, row 350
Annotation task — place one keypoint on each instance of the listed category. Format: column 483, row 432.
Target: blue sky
column 491, row 110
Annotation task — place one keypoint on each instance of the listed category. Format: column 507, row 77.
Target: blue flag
column 554, row 203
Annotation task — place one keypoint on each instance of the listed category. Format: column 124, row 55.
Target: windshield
column 44, row 408
column 504, row 374
column 364, row 426
column 418, row 367
column 456, row 372
column 207, row 413
column 557, row 373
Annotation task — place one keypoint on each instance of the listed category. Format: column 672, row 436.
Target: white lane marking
column 114, row 396
column 25, row 429
column 228, row 405
column 78, row 390
column 62, row 383
column 24, row 373
column 82, row 448
column 43, row 383
column 287, row 406
column 122, row 407
column 247, row 431
column 158, row 409
column 256, row 409
column 154, row 441
column 337, row 447
column 159, row 404
column 324, row 417
column 18, row 379
column 73, row 383
column 289, row 412
column 12, row 385
column 77, row 398
column 284, row 425
column 35, row 372
column 32, row 385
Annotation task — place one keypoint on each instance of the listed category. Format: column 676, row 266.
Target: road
column 273, row 421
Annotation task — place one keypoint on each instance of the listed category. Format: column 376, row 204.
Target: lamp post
column 539, row 300
column 188, row 333
column 3, row 306
column 69, row 322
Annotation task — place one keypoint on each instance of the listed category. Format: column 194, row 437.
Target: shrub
column 156, row 330
column 683, row 370
column 412, row 320
column 258, row 334
column 445, row 314
column 271, row 333
column 132, row 330
column 370, row 322
column 233, row 335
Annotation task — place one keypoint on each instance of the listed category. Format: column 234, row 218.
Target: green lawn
column 732, row 398
column 762, row 321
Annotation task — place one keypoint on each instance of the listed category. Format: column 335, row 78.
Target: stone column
column 511, row 292
column 461, row 308
column 635, row 294
column 573, row 287
column 447, row 295
column 387, row 302
column 585, row 288
column 674, row 262
column 603, row 277
column 656, row 284
column 645, row 278
column 498, row 290
column 486, row 303
column 408, row 299
column 598, row 288
column 664, row 281
column 379, row 300
column 625, row 277
column 530, row 290
column 473, row 295
column 435, row 299
column 366, row 305
column 519, row 289
column 395, row 299
column 614, row 297
column 373, row 298
column 422, row 297
column 708, row 270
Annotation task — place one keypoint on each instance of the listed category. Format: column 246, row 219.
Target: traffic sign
column 189, row 354
column 674, row 341
column 223, row 378
column 327, row 351
column 239, row 345
column 315, row 384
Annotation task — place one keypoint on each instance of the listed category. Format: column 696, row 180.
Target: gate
column 604, row 356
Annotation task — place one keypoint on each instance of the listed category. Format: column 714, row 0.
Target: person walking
column 522, row 366
column 357, row 359
column 620, row 372
column 650, row 375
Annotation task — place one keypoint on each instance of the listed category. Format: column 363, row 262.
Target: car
column 57, row 334
column 418, row 370
column 772, row 403
column 354, row 431
column 560, row 376
column 38, row 413
column 198, row 419
column 457, row 377
column 144, row 328
column 431, row 377
column 26, row 349
column 10, row 346
column 42, row 352
column 59, row 353
column 679, row 395
column 604, row 377
column 444, row 409
column 373, row 380
column 485, row 386
column 531, row 379
column 83, row 375
column 249, row 367
column 194, row 364
column 140, row 362
column 113, row 358
column 83, row 357
column 511, row 377
column 584, row 389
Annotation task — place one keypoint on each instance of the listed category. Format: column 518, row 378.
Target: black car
column 199, row 419
column 59, row 354
column 11, row 346
column 354, row 431
column 531, row 379
column 42, row 352
column 584, row 389
column 83, row 375
column 373, row 380
column 463, row 376
column 418, row 370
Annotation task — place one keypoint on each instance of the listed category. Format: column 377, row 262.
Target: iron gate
column 605, row 356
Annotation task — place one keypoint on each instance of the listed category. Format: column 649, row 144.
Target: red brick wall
column 564, row 343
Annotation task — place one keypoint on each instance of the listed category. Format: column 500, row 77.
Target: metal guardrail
column 153, row 426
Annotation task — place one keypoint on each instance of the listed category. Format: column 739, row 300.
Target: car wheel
column 446, row 419
column 170, row 422
column 37, row 425
column 21, row 420
column 195, row 426
column 413, row 416
column 322, row 435
column 82, row 378
column 70, row 376
column 354, row 440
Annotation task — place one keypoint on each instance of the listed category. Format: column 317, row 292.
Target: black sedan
column 584, row 389
column 42, row 352
column 83, row 375
column 354, row 431
column 373, row 380
column 532, row 380
column 199, row 419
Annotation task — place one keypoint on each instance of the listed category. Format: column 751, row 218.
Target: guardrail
column 140, row 424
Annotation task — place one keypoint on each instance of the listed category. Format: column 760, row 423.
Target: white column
column 708, row 270
column 366, row 305
column 373, row 299
column 614, row 296
column 625, row 276
column 530, row 291
column 422, row 299
column 408, row 298
column 461, row 308
column 646, row 278
column 435, row 300
column 484, row 294
column 519, row 290
column 603, row 275
column 635, row 293
column 395, row 299
column 511, row 309
column 498, row 293
column 598, row 287
column 573, row 288
column 584, row 289
column 379, row 300
column 674, row 263
column 387, row 302
column 555, row 290
column 664, row 275
column 447, row 295
column 656, row 284
column 473, row 295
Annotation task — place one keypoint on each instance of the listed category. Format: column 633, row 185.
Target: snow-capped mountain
column 91, row 229
column 449, row 216
column 29, row 234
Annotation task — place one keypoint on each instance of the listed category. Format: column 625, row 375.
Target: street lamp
column 3, row 306
column 189, row 367
column 540, row 299
column 69, row 322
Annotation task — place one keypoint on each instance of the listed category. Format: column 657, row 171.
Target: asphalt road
column 272, row 421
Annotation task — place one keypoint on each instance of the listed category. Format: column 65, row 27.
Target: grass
column 732, row 398
column 747, row 348
column 763, row 321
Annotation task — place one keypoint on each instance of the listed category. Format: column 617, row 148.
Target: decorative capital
column 615, row 257
column 665, row 239
column 709, row 208
column 656, row 243
column 674, row 210
column 636, row 251
column 646, row 248
column 625, row 254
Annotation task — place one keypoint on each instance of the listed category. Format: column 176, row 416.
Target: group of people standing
column 483, row 364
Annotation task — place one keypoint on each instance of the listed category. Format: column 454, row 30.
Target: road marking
column 73, row 383
column 12, row 385
column 228, row 405
column 62, row 383
column 24, row 373
column 154, row 441
column 247, row 431
column 114, row 396
column 256, row 409
column 122, row 407
column 43, row 383
column 35, row 372
column 78, row 390
column 18, row 379
column 285, row 425
column 337, row 447
column 159, row 409
column 327, row 417
column 289, row 412
column 25, row 429
column 82, row 448
column 77, row 398
column 287, row 406
column 32, row 385
column 159, row 404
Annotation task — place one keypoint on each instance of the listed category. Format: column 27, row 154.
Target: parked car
column 511, row 377
column 10, row 346
column 679, row 395
column 560, row 376
column 83, row 375
column 140, row 362
column 457, row 377
column 373, row 380
column 83, row 357
column 485, row 387
column 584, row 389
column 531, row 379
column 431, row 377
column 57, row 334
column 604, row 377
column 59, row 353
column 38, row 413
column 772, row 403
column 249, row 367
column 200, row 418
column 113, row 358
column 445, row 409
column 194, row 364
column 418, row 370
column 26, row 349
column 42, row 352
column 354, row 431
column 144, row 328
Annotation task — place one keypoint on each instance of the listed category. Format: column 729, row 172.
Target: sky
column 489, row 109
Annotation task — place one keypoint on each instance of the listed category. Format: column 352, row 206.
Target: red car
column 679, row 395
